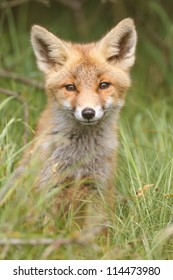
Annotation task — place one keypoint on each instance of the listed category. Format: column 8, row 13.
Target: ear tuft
column 49, row 49
column 118, row 46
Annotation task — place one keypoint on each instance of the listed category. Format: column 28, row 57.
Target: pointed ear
column 118, row 46
column 50, row 51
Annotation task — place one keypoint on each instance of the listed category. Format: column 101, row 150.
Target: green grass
column 141, row 226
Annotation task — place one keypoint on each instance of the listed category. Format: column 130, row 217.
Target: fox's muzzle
column 88, row 113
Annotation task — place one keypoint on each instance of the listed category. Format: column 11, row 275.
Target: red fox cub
column 77, row 135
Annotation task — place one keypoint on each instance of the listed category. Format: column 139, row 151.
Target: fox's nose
column 88, row 113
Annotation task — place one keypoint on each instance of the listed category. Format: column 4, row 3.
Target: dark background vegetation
column 88, row 20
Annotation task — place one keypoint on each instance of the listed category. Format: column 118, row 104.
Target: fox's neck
column 61, row 135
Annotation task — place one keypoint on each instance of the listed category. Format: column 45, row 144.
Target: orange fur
column 86, row 84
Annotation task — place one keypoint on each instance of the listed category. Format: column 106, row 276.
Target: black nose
column 88, row 113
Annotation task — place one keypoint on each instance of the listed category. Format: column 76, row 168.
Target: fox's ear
column 50, row 51
column 118, row 46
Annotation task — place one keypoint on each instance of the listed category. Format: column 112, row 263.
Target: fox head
column 88, row 80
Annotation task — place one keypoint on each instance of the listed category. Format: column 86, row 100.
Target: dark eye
column 70, row 87
column 104, row 85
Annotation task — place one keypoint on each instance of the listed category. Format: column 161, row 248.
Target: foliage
column 141, row 227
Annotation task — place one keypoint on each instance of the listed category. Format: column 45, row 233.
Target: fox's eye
column 104, row 85
column 70, row 87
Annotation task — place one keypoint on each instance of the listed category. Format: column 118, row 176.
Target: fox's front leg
column 101, row 199
column 100, row 206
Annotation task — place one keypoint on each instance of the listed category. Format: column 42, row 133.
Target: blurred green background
column 151, row 94
column 87, row 20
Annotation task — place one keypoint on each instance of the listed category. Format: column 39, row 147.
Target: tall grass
column 141, row 227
